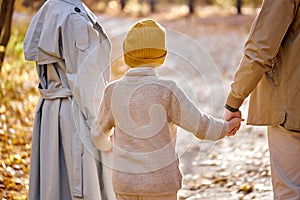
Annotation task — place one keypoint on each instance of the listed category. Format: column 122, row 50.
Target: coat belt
column 55, row 93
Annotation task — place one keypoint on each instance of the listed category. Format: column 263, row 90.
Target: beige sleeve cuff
column 233, row 101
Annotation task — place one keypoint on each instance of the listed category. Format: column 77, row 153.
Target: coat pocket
column 81, row 32
column 273, row 74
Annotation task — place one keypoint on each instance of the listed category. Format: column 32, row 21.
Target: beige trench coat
column 71, row 52
column 270, row 67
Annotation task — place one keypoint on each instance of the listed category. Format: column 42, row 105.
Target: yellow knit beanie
column 145, row 44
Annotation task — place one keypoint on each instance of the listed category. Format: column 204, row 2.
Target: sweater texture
column 144, row 110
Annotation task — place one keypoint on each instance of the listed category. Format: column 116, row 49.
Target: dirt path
column 234, row 168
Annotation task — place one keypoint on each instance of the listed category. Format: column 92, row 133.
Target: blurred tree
column 191, row 6
column 208, row 2
column 123, row 3
column 33, row 4
column 152, row 5
column 239, row 7
column 6, row 11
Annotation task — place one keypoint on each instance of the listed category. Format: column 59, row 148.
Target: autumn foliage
column 18, row 98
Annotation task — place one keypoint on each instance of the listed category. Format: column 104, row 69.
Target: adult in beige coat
column 71, row 52
column 270, row 71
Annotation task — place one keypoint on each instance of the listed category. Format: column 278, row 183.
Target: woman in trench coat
column 71, row 51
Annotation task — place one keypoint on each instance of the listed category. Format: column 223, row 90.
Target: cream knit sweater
column 144, row 109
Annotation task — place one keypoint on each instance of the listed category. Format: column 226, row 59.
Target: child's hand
column 234, row 125
column 111, row 140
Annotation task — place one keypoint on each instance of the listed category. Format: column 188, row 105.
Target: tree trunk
column 123, row 3
column 152, row 5
column 191, row 6
column 6, row 11
column 239, row 7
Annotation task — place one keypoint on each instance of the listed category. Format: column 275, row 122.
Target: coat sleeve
column 103, row 124
column 87, row 63
column 89, row 83
column 185, row 114
column 263, row 43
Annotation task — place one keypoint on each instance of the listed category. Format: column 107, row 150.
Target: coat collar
column 141, row 71
column 79, row 3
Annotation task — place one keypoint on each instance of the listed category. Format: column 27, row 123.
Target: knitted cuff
column 233, row 101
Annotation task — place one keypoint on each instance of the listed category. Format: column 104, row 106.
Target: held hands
column 234, row 120
column 234, row 125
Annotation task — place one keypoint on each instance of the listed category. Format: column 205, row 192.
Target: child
column 143, row 109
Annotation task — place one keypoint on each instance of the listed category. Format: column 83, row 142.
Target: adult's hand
column 229, row 115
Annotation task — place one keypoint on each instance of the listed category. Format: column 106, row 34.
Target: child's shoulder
column 111, row 85
column 166, row 81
